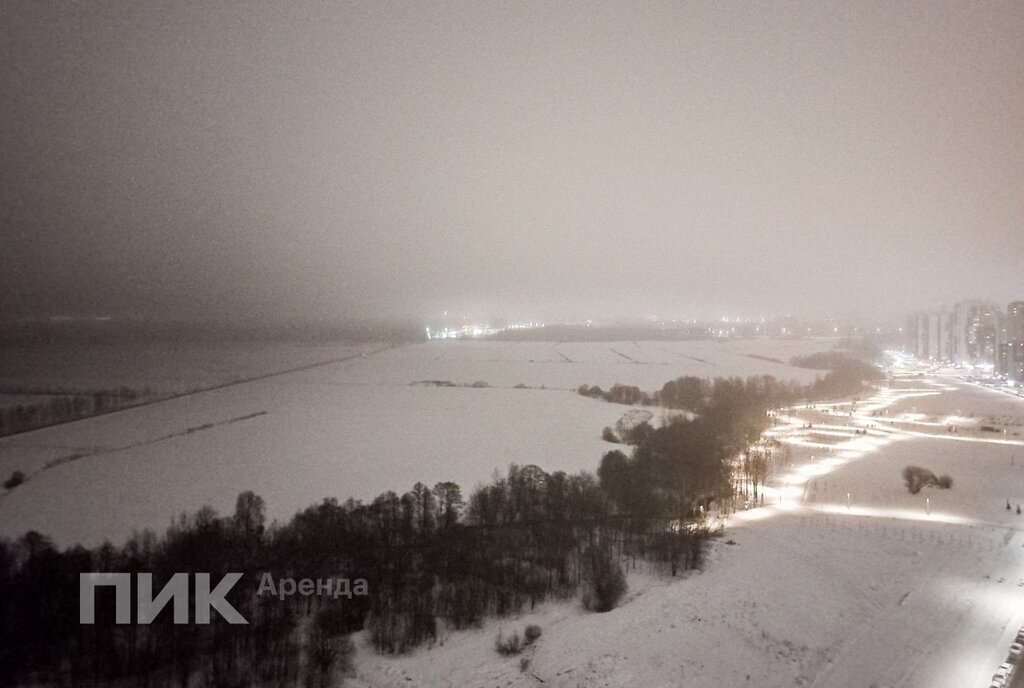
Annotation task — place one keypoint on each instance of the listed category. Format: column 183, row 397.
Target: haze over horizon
column 323, row 161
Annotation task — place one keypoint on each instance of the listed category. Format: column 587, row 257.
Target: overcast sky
column 328, row 159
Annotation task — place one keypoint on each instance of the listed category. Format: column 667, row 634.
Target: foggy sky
column 329, row 160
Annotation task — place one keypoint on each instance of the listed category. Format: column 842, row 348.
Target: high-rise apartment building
column 972, row 333
column 1010, row 357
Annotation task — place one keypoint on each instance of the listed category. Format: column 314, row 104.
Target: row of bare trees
column 432, row 562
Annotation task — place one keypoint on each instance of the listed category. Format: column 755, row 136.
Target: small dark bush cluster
column 509, row 646
column 532, row 633
column 916, row 478
column 618, row 394
column 514, row 644
column 17, row 478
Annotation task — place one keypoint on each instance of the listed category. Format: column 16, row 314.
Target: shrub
column 605, row 580
column 608, row 435
column 509, row 646
column 17, row 478
column 915, row 477
column 531, row 633
column 624, row 394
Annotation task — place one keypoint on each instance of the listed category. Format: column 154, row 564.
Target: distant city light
column 477, row 330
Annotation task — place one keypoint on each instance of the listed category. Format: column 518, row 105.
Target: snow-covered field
column 568, row 365
column 313, row 441
column 881, row 588
column 354, row 428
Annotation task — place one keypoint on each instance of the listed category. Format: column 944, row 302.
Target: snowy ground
column 568, row 365
column 880, row 588
column 355, row 428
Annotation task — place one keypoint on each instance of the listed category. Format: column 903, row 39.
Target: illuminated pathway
column 866, row 433
column 954, row 621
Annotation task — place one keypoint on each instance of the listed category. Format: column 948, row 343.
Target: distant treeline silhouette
column 433, row 560
column 62, row 406
column 846, row 377
column 832, row 360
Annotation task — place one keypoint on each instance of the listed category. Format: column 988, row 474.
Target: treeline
column 699, row 394
column 619, row 394
column 688, row 464
column 845, row 373
column 432, row 561
column 67, row 406
column 835, row 360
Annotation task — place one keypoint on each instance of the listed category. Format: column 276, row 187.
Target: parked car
column 1015, row 651
column 1003, row 672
